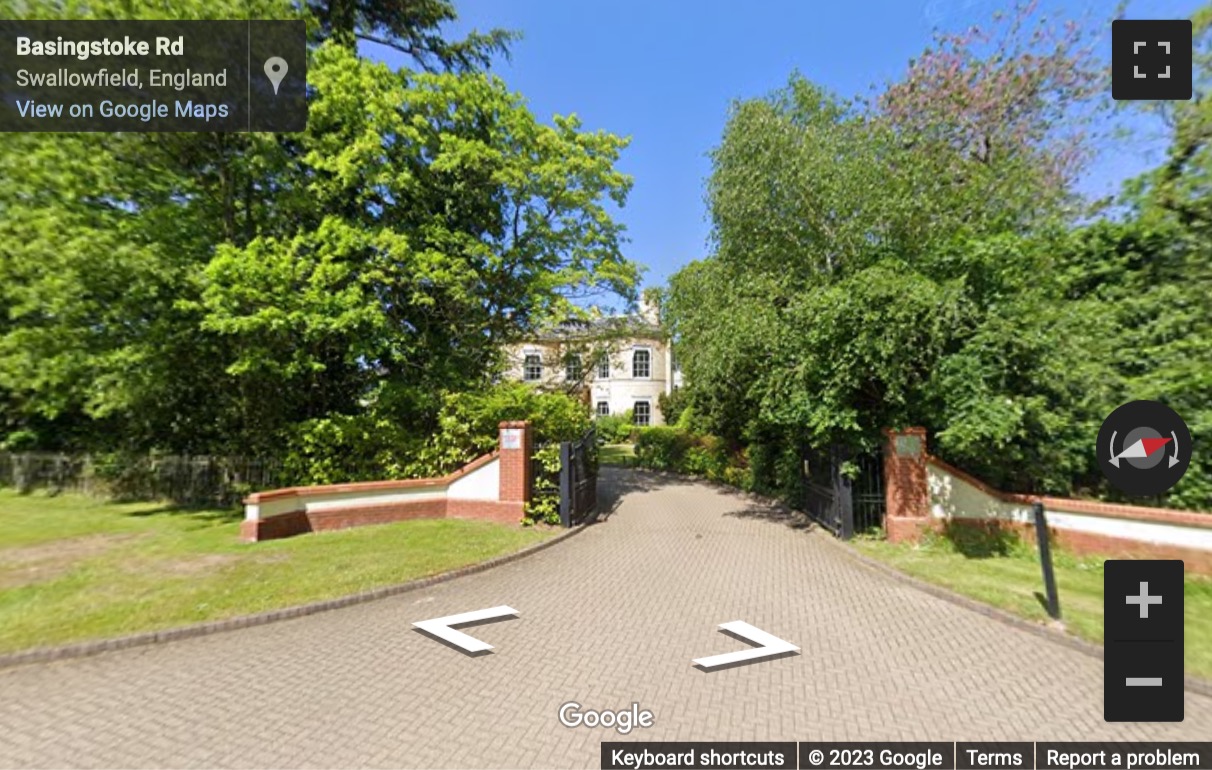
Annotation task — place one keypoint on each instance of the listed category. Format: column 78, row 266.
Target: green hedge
column 616, row 428
column 669, row 448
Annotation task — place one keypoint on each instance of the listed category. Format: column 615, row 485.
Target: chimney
column 650, row 311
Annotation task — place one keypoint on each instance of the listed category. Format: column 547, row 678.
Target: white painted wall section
column 484, row 483
column 952, row 497
column 1127, row 529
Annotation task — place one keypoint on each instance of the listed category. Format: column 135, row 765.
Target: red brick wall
column 905, row 529
column 1194, row 559
column 906, row 493
column 515, row 465
column 1089, row 543
column 509, row 508
column 285, row 525
column 501, row 512
column 908, row 512
column 376, row 513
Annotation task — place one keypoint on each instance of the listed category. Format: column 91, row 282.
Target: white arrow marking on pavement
column 769, row 645
column 1174, row 457
column 441, row 627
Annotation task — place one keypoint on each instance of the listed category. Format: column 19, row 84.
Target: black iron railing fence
column 184, row 479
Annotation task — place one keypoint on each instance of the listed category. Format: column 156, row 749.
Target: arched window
column 641, row 364
column 532, row 367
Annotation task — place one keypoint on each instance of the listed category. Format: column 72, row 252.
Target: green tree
column 233, row 292
column 437, row 235
column 411, row 27
column 886, row 263
column 1178, row 188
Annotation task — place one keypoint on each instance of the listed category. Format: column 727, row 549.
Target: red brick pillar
column 515, row 463
column 905, row 486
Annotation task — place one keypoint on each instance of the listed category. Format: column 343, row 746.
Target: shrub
column 546, row 507
column 468, row 427
column 762, row 473
column 676, row 449
column 707, row 456
column 700, row 454
column 738, row 476
column 687, row 420
column 663, row 447
column 672, row 406
column 342, row 447
column 616, row 428
column 468, row 423
column 19, row 441
column 365, row 447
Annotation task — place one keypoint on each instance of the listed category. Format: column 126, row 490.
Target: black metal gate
column 844, row 492
column 579, row 479
column 574, row 484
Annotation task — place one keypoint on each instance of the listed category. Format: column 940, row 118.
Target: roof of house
column 612, row 326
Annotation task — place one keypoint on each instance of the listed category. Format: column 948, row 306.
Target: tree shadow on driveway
column 615, row 483
column 765, row 509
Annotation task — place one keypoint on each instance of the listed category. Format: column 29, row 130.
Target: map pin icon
column 275, row 70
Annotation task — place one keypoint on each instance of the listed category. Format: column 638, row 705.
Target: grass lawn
column 75, row 568
column 616, row 454
column 1010, row 582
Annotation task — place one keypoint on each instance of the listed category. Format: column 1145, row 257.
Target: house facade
column 613, row 364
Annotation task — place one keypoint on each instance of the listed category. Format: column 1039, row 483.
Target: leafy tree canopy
column 916, row 259
column 224, row 292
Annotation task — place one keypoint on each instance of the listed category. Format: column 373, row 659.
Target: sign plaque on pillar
column 511, row 438
column 909, row 446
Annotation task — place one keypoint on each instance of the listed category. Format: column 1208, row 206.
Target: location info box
column 153, row 76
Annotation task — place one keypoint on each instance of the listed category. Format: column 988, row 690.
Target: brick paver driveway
column 611, row 616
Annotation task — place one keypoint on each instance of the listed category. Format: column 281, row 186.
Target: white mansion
column 614, row 364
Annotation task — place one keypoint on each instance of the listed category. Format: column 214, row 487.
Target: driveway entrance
column 611, row 617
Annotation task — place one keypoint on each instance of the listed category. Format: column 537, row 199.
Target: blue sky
column 665, row 71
